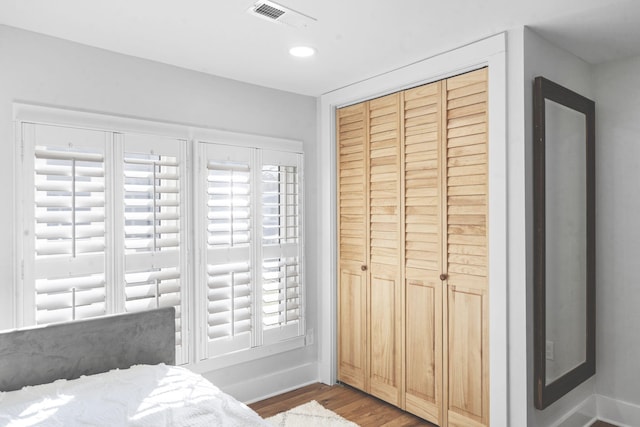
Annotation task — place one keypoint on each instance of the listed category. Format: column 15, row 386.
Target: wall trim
column 270, row 384
column 582, row 415
column 492, row 52
column 618, row 412
column 56, row 115
column 603, row 408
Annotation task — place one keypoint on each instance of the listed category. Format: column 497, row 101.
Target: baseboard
column 583, row 415
column 617, row 412
column 273, row 383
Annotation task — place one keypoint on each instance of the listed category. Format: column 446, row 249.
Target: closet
column 412, row 257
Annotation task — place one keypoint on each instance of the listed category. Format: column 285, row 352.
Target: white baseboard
column 622, row 414
column 273, row 383
column 583, row 415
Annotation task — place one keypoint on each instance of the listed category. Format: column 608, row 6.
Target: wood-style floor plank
column 352, row 404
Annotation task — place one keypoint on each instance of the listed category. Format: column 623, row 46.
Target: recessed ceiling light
column 302, row 51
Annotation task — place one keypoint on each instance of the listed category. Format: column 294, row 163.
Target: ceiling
column 354, row 39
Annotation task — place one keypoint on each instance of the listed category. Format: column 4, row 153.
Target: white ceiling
column 355, row 39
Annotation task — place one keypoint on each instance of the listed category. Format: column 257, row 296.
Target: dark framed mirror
column 564, row 240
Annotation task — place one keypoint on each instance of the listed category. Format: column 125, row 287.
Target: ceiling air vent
column 277, row 13
column 269, row 11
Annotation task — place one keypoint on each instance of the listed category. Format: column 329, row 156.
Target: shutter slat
column 68, row 155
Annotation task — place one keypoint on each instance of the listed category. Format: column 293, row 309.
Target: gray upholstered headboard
column 43, row 354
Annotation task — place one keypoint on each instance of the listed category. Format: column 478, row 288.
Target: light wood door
column 385, row 240
column 423, row 250
column 466, row 347
column 413, row 249
column 353, row 207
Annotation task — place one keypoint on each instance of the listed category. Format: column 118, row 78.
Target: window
column 105, row 225
column 250, row 221
column 109, row 219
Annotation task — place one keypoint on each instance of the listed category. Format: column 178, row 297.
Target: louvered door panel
column 353, row 254
column 66, row 257
column 466, row 255
column 423, row 250
column 385, row 239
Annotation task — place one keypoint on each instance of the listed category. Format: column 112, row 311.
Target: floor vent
column 274, row 12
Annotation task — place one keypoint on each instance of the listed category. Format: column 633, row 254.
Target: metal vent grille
column 274, row 12
column 269, row 11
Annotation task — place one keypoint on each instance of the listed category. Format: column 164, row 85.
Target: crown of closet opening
column 413, row 249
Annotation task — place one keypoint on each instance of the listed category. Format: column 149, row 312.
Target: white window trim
column 25, row 112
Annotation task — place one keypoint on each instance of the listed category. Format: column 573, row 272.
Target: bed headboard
column 43, row 354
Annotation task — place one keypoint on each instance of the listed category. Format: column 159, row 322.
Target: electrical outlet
column 308, row 339
column 549, row 350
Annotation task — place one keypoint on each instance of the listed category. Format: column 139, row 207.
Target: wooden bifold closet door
column 412, row 221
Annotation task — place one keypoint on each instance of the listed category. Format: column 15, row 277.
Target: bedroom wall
column 542, row 58
column 617, row 96
column 48, row 71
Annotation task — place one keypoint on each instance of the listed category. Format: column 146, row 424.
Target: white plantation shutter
column 105, row 213
column 65, row 219
column 107, row 216
column 153, row 208
column 281, row 252
column 229, row 237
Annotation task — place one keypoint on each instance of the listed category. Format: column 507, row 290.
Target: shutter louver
column 229, row 300
column 59, row 300
column 280, row 291
column 228, row 204
column 280, row 214
column 69, row 202
column 69, row 224
column 153, row 203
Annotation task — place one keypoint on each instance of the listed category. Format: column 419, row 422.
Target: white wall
column 542, row 58
column 617, row 96
column 47, row 71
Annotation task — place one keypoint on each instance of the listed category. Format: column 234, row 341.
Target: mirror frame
column 546, row 394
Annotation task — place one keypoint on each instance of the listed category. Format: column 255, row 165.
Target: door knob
column 443, row 276
column 363, row 267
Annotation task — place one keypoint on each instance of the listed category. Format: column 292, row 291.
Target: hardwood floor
column 352, row 404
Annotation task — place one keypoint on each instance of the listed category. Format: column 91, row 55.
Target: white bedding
column 143, row 395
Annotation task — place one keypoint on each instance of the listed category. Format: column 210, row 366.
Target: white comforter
column 142, row 395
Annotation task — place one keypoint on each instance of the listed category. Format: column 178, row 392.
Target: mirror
column 564, row 240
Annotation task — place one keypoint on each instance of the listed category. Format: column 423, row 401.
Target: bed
column 109, row 371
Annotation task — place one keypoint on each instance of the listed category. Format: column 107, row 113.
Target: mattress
column 143, row 395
